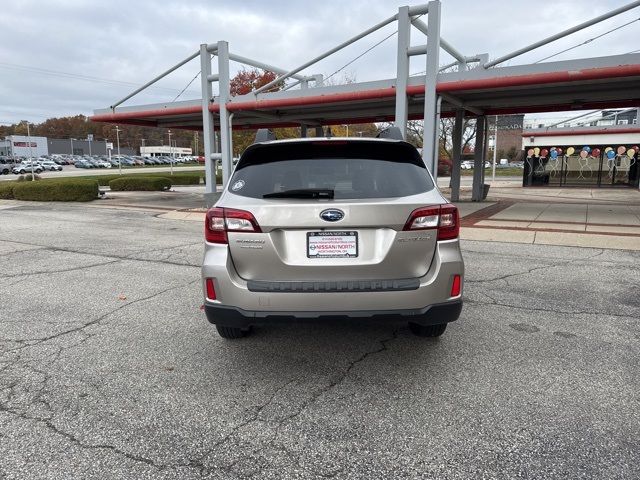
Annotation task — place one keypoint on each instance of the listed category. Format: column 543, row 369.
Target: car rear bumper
column 239, row 318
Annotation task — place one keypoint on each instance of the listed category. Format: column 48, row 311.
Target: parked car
column 83, row 164
column 466, row 165
column 24, row 168
column 351, row 227
column 6, row 165
column 51, row 166
column 103, row 163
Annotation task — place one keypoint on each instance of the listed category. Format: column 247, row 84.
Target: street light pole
column 71, row 140
column 495, row 147
column 30, row 152
column 118, row 146
column 170, row 152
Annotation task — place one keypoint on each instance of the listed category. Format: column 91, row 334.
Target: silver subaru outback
column 325, row 227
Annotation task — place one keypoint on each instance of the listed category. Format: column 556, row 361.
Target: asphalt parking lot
column 108, row 368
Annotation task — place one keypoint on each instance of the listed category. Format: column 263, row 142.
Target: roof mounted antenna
column 392, row 133
column 264, row 135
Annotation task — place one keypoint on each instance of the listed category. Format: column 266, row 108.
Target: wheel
column 231, row 332
column 427, row 330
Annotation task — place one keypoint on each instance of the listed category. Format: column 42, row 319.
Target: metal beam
column 151, row 82
column 459, row 103
column 261, row 65
column 456, row 152
column 290, row 73
column 404, row 40
column 478, row 160
column 418, row 10
column 207, row 121
column 225, row 95
column 431, row 77
column 446, row 46
column 564, row 33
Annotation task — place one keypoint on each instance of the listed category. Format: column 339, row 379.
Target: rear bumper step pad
column 347, row 286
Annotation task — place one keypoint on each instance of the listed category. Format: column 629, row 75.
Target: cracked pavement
column 108, row 368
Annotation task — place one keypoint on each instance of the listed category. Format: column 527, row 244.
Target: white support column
column 404, row 42
column 456, row 151
column 207, row 121
column 225, row 131
column 431, row 75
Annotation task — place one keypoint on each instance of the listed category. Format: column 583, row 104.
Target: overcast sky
column 67, row 57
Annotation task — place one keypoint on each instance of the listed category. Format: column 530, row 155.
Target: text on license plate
column 332, row 244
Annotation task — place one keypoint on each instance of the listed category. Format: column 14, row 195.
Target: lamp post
column 495, row 148
column 71, row 139
column 30, row 152
column 170, row 152
column 118, row 146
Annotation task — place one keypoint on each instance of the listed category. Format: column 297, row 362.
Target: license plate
column 332, row 244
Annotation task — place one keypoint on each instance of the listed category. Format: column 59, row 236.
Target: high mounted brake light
column 219, row 221
column 444, row 218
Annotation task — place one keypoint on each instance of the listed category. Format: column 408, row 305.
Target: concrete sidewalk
column 597, row 225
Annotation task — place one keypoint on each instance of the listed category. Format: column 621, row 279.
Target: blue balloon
column 611, row 154
column 586, row 148
column 553, row 154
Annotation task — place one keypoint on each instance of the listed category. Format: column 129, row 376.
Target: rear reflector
column 211, row 291
column 456, row 286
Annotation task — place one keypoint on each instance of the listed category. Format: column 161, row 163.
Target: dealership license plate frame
column 341, row 233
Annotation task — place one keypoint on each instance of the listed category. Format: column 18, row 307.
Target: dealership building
column 31, row 146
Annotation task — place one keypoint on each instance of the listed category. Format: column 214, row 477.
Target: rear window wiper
column 301, row 193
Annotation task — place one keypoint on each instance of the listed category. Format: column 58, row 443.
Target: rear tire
column 427, row 330
column 231, row 333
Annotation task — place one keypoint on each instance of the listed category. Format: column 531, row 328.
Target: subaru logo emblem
column 332, row 215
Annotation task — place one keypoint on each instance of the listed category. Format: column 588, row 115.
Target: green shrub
column 27, row 178
column 135, row 183
column 6, row 190
column 184, row 179
column 76, row 190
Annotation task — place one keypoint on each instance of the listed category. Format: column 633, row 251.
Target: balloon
column 554, row 153
column 544, row 152
column 586, row 148
column 583, row 154
column 607, row 149
column 570, row 150
column 595, row 152
column 559, row 151
column 536, row 151
column 621, row 149
column 611, row 154
column 631, row 152
column 530, row 152
column 635, row 148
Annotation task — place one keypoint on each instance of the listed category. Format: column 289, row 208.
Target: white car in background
column 51, row 166
column 103, row 163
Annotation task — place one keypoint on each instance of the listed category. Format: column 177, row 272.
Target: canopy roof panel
column 590, row 83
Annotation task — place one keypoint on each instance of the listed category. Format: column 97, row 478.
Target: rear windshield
column 351, row 170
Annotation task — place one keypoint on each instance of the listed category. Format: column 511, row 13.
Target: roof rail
column 392, row 133
column 264, row 135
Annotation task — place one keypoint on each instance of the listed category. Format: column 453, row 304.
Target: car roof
column 329, row 139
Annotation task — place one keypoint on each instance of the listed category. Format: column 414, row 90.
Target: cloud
column 126, row 43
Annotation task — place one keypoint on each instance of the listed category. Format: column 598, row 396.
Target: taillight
column 444, row 218
column 219, row 221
